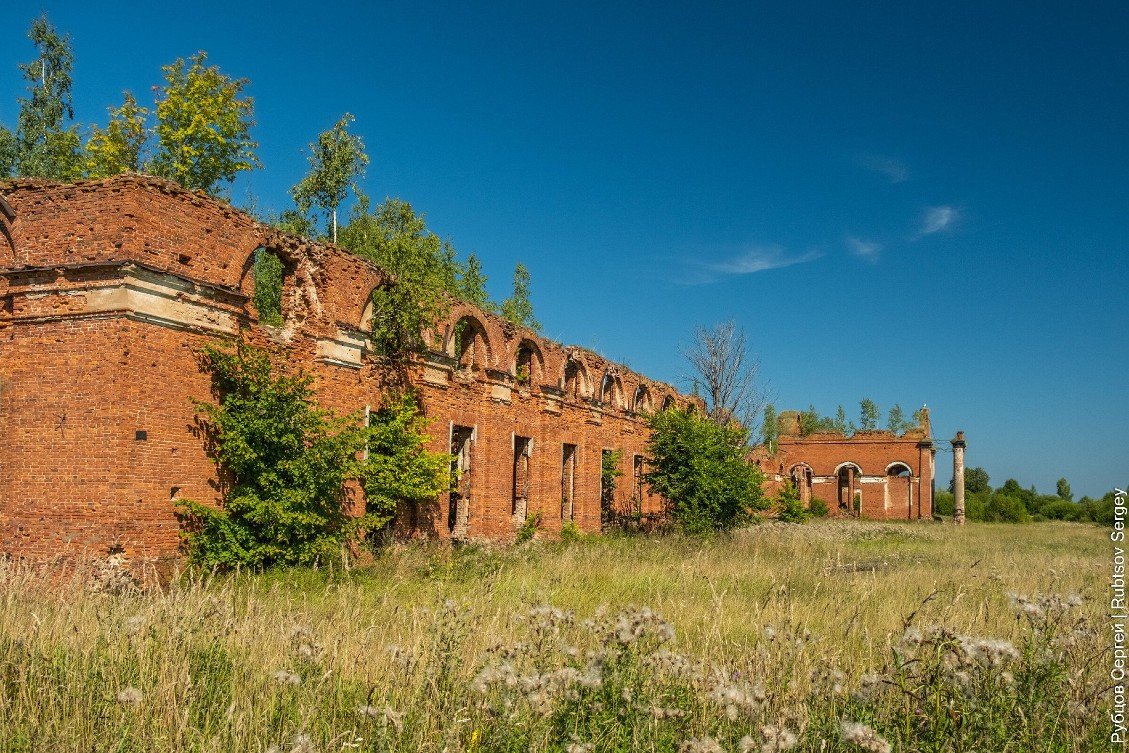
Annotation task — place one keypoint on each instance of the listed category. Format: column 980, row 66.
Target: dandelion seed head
column 864, row 737
column 130, row 696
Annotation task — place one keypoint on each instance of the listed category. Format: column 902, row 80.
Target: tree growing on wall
column 518, row 308
column 337, row 160
column 472, row 284
column 700, row 467
column 868, row 414
column 769, row 427
column 397, row 240
column 43, row 145
column 203, row 126
column 119, row 147
column 896, row 420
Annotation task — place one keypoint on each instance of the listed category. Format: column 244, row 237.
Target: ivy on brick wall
column 287, row 462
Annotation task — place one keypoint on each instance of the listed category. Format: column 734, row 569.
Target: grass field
column 776, row 637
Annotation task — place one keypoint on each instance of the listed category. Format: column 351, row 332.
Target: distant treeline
column 1011, row 503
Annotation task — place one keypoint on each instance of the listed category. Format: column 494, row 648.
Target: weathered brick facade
column 108, row 290
column 872, row 474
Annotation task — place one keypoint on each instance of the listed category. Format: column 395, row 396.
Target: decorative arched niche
column 469, row 345
column 641, row 402
column 611, row 391
column 575, row 383
column 528, row 366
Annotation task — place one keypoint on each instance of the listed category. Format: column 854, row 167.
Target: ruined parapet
column 788, row 423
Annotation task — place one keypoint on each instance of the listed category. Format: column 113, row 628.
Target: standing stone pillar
column 958, row 444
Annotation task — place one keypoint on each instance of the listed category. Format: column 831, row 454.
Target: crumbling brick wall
column 872, row 474
column 108, row 291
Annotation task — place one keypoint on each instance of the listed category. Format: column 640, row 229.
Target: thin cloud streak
column 891, row 169
column 759, row 259
column 937, row 219
column 864, row 249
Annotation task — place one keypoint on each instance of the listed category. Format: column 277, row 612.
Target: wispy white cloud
column 937, row 219
column 893, row 170
column 868, row 250
column 751, row 261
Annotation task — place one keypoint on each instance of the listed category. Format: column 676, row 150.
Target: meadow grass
column 774, row 637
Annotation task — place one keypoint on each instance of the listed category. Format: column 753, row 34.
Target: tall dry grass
column 779, row 632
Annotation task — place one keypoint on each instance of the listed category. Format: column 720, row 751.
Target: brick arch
column 848, row 464
column 668, row 402
column 576, row 379
column 7, row 219
column 641, row 400
column 908, row 468
column 469, row 343
column 611, row 381
column 527, row 355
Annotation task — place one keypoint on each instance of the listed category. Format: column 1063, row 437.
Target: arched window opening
column 900, row 470
column 575, row 380
column 526, row 365
column 610, row 392
column 268, row 272
column 668, row 403
column 642, row 401
column 471, row 348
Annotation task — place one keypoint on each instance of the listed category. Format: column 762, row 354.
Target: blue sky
column 908, row 202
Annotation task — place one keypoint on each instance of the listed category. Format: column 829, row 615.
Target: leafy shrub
column 700, row 469
column 609, row 473
column 287, row 462
column 268, row 287
column 818, row 508
column 1060, row 509
column 399, row 468
column 944, row 504
column 789, row 509
column 1004, row 509
column 571, row 533
column 528, row 529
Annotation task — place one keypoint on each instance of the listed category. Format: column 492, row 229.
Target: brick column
column 958, row 444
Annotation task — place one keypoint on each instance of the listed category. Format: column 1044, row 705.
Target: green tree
column 203, row 126
column 288, row 462
column 789, row 509
column 769, row 428
column 868, row 414
column 119, row 148
column 896, row 420
column 1062, row 488
column 518, row 308
column 397, row 240
column 699, row 467
column 841, row 424
column 337, row 159
column 472, row 285
column 43, row 146
column 268, row 287
column 976, row 482
column 399, row 468
column 919, row 418
column 609, row 475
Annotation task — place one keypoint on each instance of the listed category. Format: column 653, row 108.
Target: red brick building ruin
column 872, row 474
column 108, row 291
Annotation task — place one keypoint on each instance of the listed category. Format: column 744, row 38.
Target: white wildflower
column 130, row 696
column 704, row 744
column 864, row 737
column 286, row 677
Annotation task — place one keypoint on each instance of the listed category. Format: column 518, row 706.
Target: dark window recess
column 141, row 435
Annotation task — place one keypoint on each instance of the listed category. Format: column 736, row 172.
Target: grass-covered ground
column 775, row 636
